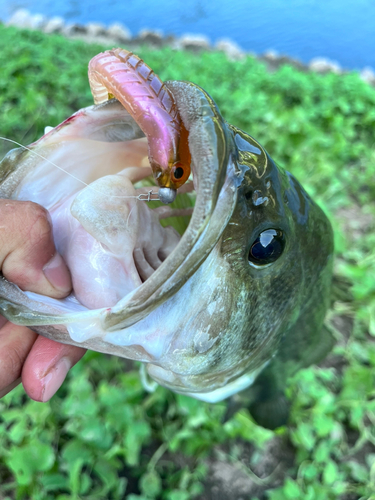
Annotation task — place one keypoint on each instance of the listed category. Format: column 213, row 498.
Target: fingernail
column 57, row 273
column 54, row 378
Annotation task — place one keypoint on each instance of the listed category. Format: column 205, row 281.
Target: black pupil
column 178, row 173
column 267, row 247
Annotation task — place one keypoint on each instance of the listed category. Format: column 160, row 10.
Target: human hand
column 29, row 259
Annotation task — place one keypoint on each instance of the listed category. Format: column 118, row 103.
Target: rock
column 275, row 60
column 271, row 56
column 368, row 75
column 74, row 29
column 149, row 37
column 20, row 19
column 272, row 60
column 119, row 32
column 323, row 66
column 23, row 19
column 195, row 43
column 170, row 40
column 96, row 29
column 230, row 49
column 38, row 21
column 291, row 62
column 54, row 25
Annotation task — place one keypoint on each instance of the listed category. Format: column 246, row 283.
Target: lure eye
column 267, row 248
column 180, row 173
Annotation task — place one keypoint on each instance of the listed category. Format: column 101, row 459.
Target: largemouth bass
column 236, row 303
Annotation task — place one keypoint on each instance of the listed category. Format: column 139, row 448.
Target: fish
column 226, row 311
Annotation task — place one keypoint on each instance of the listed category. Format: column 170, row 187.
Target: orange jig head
column 121, row 74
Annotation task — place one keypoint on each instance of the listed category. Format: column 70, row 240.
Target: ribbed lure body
column 121, row 74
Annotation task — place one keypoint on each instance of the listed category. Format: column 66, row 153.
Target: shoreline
column 117, row 33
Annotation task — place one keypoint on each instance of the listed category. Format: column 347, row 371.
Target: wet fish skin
column 294, row 291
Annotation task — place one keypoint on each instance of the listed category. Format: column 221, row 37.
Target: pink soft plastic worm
column 121, row 74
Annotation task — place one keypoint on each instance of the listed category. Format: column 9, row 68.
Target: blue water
column 341, row 30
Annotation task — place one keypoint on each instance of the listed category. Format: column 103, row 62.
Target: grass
column 102, row 436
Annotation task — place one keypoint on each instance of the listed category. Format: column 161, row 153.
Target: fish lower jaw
column 166, row 378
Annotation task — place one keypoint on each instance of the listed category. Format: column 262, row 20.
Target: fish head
column 270, row 267
column 212, row 314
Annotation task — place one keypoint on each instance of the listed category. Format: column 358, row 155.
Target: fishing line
column 141, row 197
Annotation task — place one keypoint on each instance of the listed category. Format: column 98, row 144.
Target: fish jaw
column 184, row 339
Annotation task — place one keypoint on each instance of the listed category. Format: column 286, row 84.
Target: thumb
column 28, row 256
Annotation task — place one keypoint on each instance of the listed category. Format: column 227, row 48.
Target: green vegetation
column 102, row 436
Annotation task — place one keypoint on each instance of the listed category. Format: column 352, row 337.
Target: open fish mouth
column 127, row 270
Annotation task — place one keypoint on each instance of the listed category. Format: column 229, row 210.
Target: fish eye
column 267, row 248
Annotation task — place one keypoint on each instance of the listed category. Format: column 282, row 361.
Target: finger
column 47, row 366
column 15, row 344
column 27, row 252
column 10, row 387
column 2, row 321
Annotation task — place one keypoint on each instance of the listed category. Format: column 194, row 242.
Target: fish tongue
column 117, row 227
column 96, row 234
column 107, row 209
